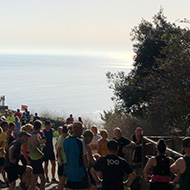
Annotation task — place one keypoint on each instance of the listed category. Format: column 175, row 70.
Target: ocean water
column 59, row 84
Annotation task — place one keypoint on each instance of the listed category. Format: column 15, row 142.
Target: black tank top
column 163, row 166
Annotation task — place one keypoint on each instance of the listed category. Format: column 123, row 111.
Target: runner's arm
column 174, row 168
column 90, row 157
column 11, row 150
column 98, row 148
column 34, row 143
column 178, row 166
column 130, row 180
column 24, row 147
column 95, row 176
column 59, row 154
column 131, row 145
column 147, row 168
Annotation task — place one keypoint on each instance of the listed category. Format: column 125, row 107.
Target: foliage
column 158, row 87
column 115, row 118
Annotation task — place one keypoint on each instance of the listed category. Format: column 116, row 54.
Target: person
column 23, row 118
column 88, row 135
column 25, row 152
column 18, row 114
column 3, row 118
column 27, row 115
column 36, row 117
column 13, row 169
column 80, row 120
column 102, row 148
column 10, row 137
column 96, row 137
column 36, row 156
column 123, row 142
column 17, row 127
column 76, row 156
column 10, row 117
column 110, row 170
column 61, row 157
column 3, row 141
column 160, row 163
column 70, row 120
column 60, row 131
column 181, row 167
column 48, row 151
column 137, row 139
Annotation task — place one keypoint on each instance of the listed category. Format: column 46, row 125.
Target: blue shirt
column 74, row 149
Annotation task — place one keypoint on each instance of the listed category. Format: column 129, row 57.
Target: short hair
column 4, row 123
column 65, row 129
column 88, row 133
column 11, row 124
column 78, row 123
column 112, row 145
column 37, row 124
column 47, row 122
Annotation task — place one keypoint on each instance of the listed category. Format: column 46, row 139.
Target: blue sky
column 78, row 25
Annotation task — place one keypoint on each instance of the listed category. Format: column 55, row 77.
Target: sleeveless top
column 34, row 155
column 103, row 148
column 161, row 172
column 49, row 141
column 185, row 177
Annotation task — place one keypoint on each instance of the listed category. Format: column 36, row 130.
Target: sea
column 59, row 85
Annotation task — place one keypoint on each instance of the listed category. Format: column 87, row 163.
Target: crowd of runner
column 83, row 159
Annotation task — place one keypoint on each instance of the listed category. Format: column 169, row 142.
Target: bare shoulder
column 180, row 164
column 180, row 160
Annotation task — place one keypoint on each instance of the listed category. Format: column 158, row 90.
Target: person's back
column 76, row 157
column 113, row 169
column 160, row 163
column 49, row 141
column 161, row 172
column 75, row 170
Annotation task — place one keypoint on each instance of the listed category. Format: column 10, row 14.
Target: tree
column 158, row 87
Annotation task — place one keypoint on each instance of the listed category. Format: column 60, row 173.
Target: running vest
column 34, row 155
column 161, row 172
column 184, row 181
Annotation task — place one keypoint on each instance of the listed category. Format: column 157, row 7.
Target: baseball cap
column 186, row 142
column 24, row 133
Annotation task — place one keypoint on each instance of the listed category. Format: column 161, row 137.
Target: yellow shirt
column 3, row 138
column 104, row 148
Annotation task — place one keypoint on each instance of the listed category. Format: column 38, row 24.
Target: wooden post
column 143, row 152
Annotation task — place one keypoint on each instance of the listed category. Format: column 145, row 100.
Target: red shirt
column 18, row 114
